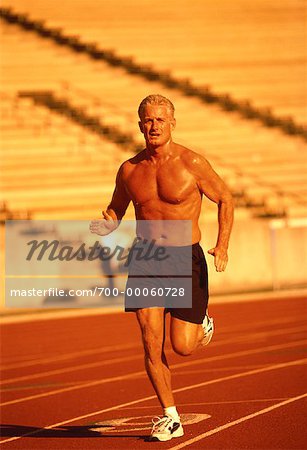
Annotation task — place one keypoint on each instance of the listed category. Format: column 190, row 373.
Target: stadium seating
column 149, row 73
column 264, row 168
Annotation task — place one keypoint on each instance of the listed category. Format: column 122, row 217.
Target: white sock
column 171, row 411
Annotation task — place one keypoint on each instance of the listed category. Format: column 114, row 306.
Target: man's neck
column 160, row 153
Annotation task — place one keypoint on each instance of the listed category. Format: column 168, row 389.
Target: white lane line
column 245, row 338
column 226, row 402
column 151, row 397
column 238, row 375
column 72, row 355
column 142, row 373
column 74, row 388
column 240, row 353
column 236, row 422
column 59, row 314
column 264, row 323
column 5, row 360
column 71, row 369
column 259, row 336
column 213, row 369
column 110, row 348
column 43, row 386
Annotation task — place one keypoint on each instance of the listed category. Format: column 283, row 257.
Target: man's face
column 157, row 123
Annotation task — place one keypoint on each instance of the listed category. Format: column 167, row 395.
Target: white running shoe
column 165, row 428
column 208, row 330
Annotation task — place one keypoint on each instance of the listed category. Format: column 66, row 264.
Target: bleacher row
column 52, row 174
column 253, row 50
column 57, row 169
column 79, row 116
column 147, row 72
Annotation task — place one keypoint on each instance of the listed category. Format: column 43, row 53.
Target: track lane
column 185, row 392
column 270, row 331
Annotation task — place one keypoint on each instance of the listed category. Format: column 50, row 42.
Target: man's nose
column 154, row 124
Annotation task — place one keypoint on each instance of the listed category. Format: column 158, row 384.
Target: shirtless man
column 166, row 181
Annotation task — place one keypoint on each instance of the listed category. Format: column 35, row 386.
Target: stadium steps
column 29, row 161
column 208, row 130
column 184, row 86
column 48, row 99
column 46, row 179
column 252, row 192
column 249, row 62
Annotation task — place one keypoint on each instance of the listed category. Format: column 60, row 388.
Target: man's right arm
column 116, row 209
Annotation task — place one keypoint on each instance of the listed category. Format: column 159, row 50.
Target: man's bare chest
column 171, row 185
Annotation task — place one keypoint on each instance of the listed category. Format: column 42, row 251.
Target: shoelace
column 159, row 423
column 208, row 327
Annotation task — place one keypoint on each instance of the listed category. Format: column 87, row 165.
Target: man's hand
column 103, row 226
column 220, row 258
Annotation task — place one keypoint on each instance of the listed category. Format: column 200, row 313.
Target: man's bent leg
column 185, row 336
column 152, row 323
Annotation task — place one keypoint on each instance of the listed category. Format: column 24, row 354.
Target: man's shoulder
column 190, row 158
column 136, row 159
column 130, row 164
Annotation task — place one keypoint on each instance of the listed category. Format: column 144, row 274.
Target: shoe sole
column 178, row 433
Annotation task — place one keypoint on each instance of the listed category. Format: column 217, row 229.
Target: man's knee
column 183, row 348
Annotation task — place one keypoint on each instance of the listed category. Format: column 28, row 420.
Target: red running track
column 79, row 382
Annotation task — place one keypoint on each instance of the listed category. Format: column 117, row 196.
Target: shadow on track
column 84, row 431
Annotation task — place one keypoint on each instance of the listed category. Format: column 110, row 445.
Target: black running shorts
column 200, row 296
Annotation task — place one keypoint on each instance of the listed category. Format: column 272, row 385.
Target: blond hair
column 156, row 99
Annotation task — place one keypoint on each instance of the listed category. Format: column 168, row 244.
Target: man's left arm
column 211, row 185
column 225, row 220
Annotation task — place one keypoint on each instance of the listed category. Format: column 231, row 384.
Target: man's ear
column 141, row 127
column 173, row 123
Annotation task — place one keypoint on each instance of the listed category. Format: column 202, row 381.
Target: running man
column 166, row 181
